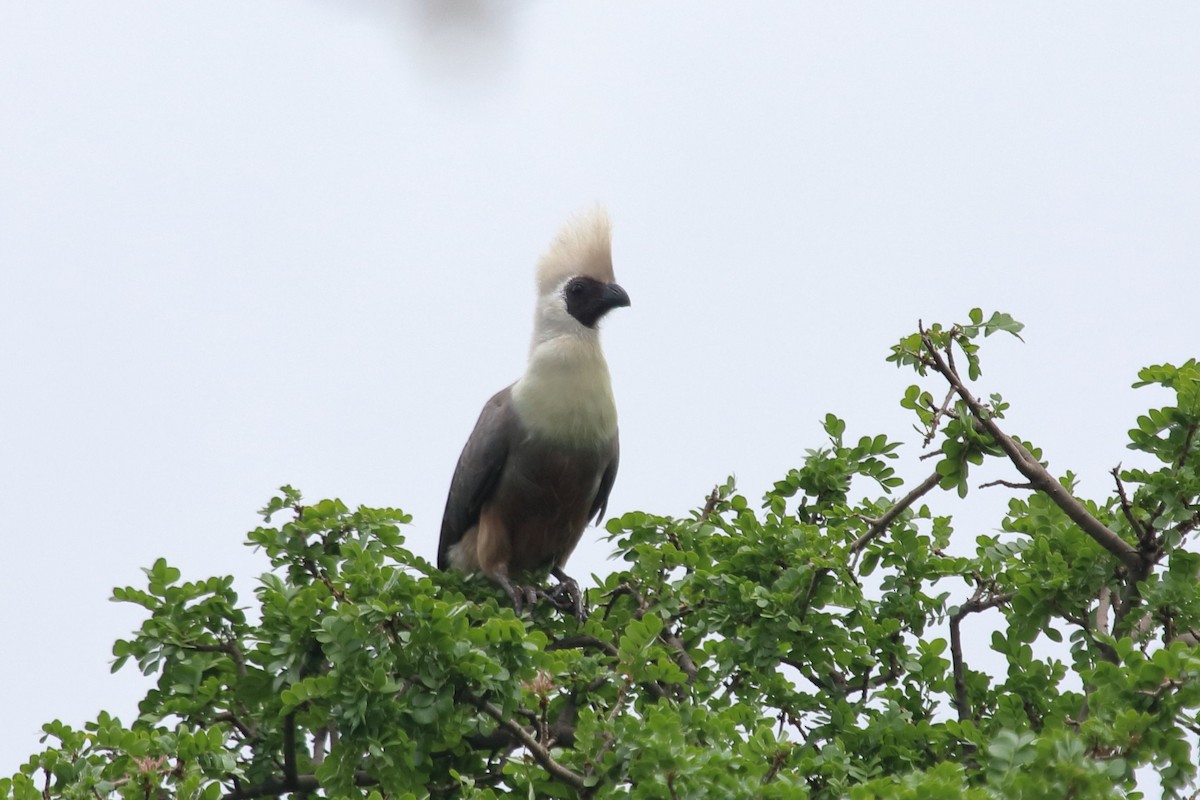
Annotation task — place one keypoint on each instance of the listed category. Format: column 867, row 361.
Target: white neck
column 566, row 393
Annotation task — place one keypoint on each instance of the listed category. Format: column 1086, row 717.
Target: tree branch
column 1039, row 477
column 1009, row 484
column 583, row 643
column 280, row 786
column 1144, row 535
column 936, row 419
column 289, row 748
column 879, row 525
column 1187, row 445
column 561, row 731
column 817, row 576
column 1103, row 606
column 682, row 658
column 540, row 754
column 229, row 648
column 232, row 719
column 976, row 603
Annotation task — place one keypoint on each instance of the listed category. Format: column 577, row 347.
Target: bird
column 542, row 458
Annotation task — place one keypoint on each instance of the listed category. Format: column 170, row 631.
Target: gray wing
column 600, row 504
column 478, row 471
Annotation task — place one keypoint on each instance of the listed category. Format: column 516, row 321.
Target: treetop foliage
column 808, row 647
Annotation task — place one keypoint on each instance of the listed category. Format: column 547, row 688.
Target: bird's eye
column 576, row 287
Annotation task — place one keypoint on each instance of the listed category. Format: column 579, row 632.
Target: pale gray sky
column 243, row 245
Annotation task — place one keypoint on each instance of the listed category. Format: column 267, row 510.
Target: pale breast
column 566, row 393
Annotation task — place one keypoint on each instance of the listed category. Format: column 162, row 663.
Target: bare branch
column 1164, row 687
column 878, row 526
column 540, row 754
column 1188, row 525
column 817, row 575
column 289, row 748
column 935, row 421
column 304, row 784
column 232, row 719
column 961, row 701
column 320, row 575
column 976, row 603
column 1039, row 477
column 629, row 589
column 1129, row 600
column 681, row 655
column 1009, row 484
column 1145, row 536
column 1103, row 606
column 319, row 737
column 777, row 763
column 1187, row 445
column 1190, row 638
column 836, row 683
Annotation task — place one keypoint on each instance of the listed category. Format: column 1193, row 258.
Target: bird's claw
column 522, row 597
column 566, row 597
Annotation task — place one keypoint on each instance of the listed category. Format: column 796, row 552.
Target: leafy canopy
column 810, row 647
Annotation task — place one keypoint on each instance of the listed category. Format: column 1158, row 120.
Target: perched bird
column 543, row 456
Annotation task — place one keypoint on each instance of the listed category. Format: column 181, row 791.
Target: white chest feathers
column 566, row 393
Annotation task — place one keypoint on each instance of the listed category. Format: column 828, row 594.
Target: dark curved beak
column 614, row 297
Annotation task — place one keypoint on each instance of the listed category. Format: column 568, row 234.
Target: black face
column 588, row 300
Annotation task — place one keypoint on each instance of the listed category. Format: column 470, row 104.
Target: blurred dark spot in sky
column 451, row 41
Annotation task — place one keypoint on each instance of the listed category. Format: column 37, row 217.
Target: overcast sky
column 249, row 244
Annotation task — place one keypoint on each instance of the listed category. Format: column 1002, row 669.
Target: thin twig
column 1009, row 484
column 609, row 740
column 1187, row 445
column 320, row 575
column 1144, row 536
column 626, row 588
column 935, row 420
column 817, row 575
column 777, row 762
column 540, row 754
column 232, row 719
column 878, row 526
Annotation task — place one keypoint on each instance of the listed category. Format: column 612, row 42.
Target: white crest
column 582, row 248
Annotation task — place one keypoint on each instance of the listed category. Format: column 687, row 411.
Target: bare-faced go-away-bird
column 543, row 456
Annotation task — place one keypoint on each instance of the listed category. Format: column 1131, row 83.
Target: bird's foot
column 521, row 596
column 565, row 596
